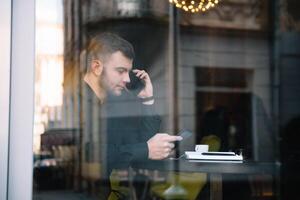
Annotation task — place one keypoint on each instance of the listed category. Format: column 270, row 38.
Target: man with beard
column 125, row 139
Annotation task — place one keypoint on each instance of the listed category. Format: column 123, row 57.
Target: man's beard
column 103, row 87
column 103, row 90
column 101, row 82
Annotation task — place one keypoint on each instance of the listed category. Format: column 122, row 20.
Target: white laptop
column 230, row 156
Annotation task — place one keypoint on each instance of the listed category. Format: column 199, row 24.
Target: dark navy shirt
column 126, row 126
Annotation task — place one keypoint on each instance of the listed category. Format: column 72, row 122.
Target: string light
column 195, row 6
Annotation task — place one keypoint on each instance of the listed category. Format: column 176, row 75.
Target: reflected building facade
column 236, row 64
column 223, row 70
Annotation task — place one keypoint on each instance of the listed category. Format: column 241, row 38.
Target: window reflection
column 225, row 96
column 49, row 67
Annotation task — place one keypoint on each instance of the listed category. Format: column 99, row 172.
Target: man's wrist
column 147, row 100
column 149, row 147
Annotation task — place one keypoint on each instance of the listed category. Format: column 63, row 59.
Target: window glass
column 118, row 81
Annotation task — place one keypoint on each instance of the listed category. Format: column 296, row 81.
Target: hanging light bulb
column 195, row 6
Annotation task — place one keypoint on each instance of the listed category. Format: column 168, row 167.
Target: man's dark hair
column 106, row 44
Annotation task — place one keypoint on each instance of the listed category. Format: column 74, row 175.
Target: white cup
column 201, row 148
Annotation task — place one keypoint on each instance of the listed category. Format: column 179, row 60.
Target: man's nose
column 127, row 78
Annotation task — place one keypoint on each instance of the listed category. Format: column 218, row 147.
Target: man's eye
column 121, row 70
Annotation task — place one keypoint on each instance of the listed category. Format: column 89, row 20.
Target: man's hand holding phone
column 186, row 135
column 161, row 145
column 147, row 90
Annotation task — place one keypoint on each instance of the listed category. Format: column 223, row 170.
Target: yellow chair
column 213, row 142
column 191, row 184
column 117, row 189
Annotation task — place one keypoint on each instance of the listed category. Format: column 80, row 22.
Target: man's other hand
column 161, row 145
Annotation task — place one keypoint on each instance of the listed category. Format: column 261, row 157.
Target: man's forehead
column 120, row 55
column 120, row 60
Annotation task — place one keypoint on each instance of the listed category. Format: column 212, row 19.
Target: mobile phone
column 185, row 134
column 135, row 85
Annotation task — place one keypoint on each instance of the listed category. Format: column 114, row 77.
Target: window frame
column 5, row 60
column 17, row 98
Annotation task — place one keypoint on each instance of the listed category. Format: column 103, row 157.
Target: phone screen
column 185, row 144
column 185, row 134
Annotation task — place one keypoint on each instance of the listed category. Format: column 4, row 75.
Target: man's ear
column 97, row 67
